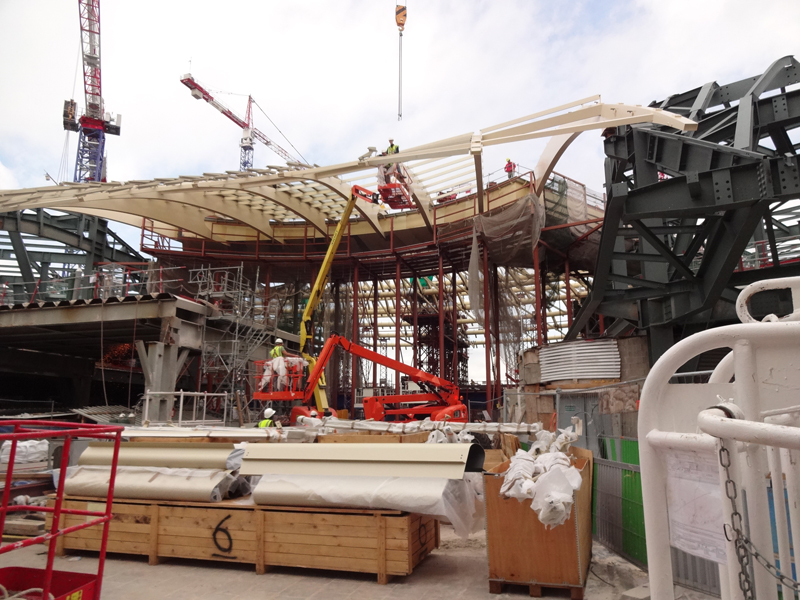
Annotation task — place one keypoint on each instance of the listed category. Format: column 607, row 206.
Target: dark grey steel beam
column 23, row 262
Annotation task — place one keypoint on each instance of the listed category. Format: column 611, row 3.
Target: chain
column 744, row 547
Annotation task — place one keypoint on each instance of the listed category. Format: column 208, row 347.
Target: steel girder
column 685, row 208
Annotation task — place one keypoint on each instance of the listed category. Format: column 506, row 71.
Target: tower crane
column 249, row 133
column 95, row 123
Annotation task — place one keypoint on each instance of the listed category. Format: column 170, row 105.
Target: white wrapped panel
column 597, row 359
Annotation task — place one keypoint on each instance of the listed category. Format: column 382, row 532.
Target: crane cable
column 400, row 14
column 400, row 83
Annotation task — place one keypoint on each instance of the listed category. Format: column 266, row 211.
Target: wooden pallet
column 383, row 542
column 535, row 589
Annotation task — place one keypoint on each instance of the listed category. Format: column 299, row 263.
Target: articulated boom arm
column 440, row 390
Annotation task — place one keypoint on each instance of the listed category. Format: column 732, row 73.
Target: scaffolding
column 239, row 326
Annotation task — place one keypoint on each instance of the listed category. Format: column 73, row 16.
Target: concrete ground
column 458, row 569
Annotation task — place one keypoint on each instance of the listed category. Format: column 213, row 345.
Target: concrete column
column 161, row 364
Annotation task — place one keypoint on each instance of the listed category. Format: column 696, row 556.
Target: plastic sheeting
column 511, row 234
column 168, row 455
column 454, row 500
column 28, row 451
column 279, row 367
column 151, row 483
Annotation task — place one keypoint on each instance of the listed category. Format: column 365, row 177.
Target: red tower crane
column 95, row 123
column 249, row 133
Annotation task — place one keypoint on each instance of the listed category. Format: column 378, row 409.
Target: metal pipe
column 180, row 410
column 781, row 524
column 714, row 422
column 397, row 285
column 670, row 440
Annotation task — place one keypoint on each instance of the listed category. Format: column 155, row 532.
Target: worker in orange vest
column 510, row 168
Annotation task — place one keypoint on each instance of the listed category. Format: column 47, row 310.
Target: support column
column 568, row 288
column 487, row 329
column 454, row 282
column 498, row 383
column 398, row 283
column 415, row 293
column 354, row 370
column 375, row 330
column 537, row 282
column 161, row 365
column 441, row 316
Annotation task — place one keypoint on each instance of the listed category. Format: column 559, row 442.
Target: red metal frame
column 62, row 583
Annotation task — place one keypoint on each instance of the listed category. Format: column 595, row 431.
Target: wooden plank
column 192, row 532
column 329, row 562
column 381, row 534
column 220, row 544
column 309, row 529
column 323, row 540
column 96, row 533
column 71, row 543
column 153, row 556
column 245, row 556
column 24, row 527
column 114, row 526
column 260, row 546
column 492, row 458
column 321, row 519
column 336, row 551
column 206, row 519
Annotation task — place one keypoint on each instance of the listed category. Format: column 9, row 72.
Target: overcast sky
column 326, row 73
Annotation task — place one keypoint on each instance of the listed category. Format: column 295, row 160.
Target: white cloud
column 7, row 179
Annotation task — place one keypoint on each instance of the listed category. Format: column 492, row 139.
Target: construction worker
column 279, row 350
column 267, row 420
column 510, row 168
column 385, row 170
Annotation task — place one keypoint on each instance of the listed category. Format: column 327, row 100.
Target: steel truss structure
column 691, row 215
column 40, row 251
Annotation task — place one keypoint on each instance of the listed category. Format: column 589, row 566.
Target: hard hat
column 313, row 413
column 268, row 413
column 508, row 160
column 391, row 139
column 279, row 341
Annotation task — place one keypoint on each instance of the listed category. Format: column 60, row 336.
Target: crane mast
column 95, row 123
column 249, row 133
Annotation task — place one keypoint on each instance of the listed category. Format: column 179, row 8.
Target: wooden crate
column 366, row 437
column 383, row 542
column 521, row 551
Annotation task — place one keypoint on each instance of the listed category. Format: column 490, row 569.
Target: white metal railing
column 706, row 471
column 202, row 397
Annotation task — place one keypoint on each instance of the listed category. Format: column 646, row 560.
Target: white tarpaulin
column 455, row 500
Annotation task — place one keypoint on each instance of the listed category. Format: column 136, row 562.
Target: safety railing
column 279, row 379
column 158, row 408
column 707, row 472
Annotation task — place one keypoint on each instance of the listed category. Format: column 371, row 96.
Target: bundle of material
column 546, row 476
column 153, row 483
column 160, row 471
column 448, row 436
column 428, row 425
column 279, row 368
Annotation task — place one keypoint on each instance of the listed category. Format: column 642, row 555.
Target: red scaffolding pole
column 397, row 314
column 354, row 371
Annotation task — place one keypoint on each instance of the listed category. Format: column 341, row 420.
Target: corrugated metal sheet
column 448, row 461
column 596, row 359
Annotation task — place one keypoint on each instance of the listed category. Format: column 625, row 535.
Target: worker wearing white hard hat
column 385, row 170
column 267, row 420
column 279, row 350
